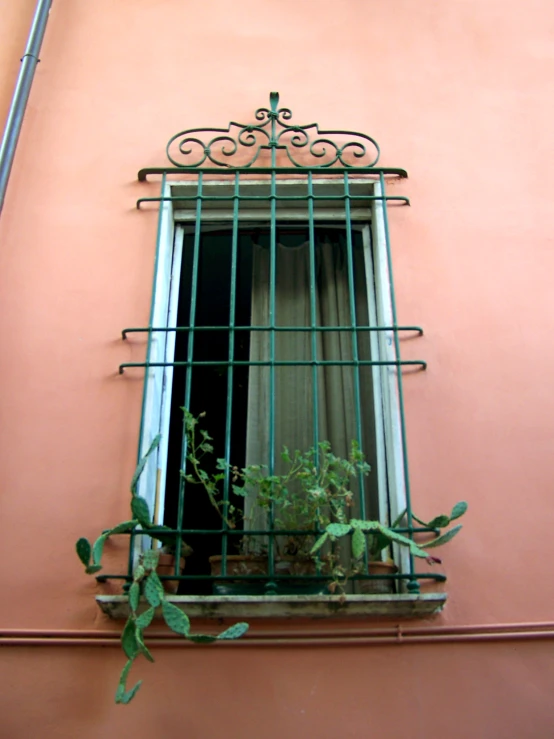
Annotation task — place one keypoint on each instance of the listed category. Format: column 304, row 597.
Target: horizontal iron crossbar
column 148, row 329
column 401, row 199
column 278, row 578
column 278, row 363
column 375, row 171
column 259, row 532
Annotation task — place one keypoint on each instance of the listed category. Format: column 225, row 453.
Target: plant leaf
column 141, row 645
column 98, row 548
column 140, row 510
column 150, row 559
column 167, row 540
column 445, row 538
column 121, row 695
column 134, row 595
column 439, row 522
column 415, row 550
column 391, row 535
column 201, row 638
column 125, row 672
column 399, row 518
column 358, row 544
column 319, row 543
column 142, row 463
column 122, row 527
column 357, row 523
column 153, row 589
column 127, row 697
column 459, row 509
column 338, row 529
column 128, row 640
column 175, row 618
column 378, row 542
column 145, row 619
column 235, row 631
column 84, row 550
column 93, row 569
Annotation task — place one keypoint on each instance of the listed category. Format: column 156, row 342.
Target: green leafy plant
column 313, row 498
column 147, row 584
column 314, row 491
column 197, row 450
column 91, row 554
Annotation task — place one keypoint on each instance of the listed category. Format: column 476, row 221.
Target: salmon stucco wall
column 458, row 92
column 14, row 30
column 483, row 691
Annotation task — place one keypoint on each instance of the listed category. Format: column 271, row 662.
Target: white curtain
column 294, row 386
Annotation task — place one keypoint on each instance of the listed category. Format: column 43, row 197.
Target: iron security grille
column 252, row 187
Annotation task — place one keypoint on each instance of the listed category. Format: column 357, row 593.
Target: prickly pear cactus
column 146, row 587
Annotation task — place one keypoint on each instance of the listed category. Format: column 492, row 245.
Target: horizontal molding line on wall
column 270, row 638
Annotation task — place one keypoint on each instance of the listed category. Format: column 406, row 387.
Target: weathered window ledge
column 290, row 606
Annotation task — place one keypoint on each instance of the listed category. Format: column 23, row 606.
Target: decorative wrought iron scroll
column 274, row 140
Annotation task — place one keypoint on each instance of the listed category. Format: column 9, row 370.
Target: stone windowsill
column 290, row 606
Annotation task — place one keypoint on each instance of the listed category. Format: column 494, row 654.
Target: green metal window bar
column 278, row 149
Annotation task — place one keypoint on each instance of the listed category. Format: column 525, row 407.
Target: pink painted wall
column 14, row 29
column 459, row 692
column 459, row 92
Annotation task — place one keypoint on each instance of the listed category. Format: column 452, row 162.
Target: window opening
column 311, row 403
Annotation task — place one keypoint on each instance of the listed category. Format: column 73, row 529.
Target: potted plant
column 313, row 491
column 311, row 502
column 199, row 446
column 146, row 587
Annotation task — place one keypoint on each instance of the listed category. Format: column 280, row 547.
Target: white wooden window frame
column 179, row 217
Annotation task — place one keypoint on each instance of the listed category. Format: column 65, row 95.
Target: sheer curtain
column 294, row 393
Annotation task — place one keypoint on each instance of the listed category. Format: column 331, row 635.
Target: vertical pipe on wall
column 20, row 97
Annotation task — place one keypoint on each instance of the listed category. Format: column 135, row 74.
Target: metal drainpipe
column 20, row 97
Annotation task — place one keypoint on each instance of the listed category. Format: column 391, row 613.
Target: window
column 273, row 314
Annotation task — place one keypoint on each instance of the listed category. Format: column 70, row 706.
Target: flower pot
column 240, row 565
column 295, row 566
column 257, row 565
column 166, row 566
column 381, row 586
column 302, row 567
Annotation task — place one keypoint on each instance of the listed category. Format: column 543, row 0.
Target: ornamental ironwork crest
column 271, row 141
